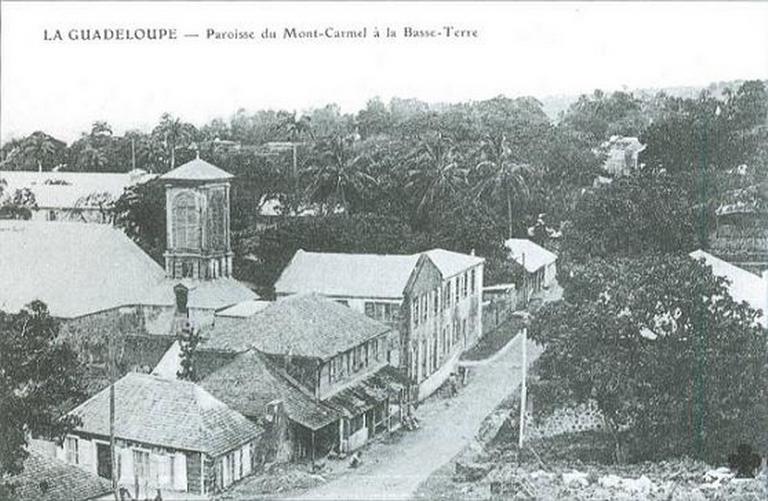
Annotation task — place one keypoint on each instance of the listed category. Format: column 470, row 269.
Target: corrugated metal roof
column 171, row 413
column 66, row 189
column 76, row 268
column 529, row 254
column 363, row 275
column 307, row 325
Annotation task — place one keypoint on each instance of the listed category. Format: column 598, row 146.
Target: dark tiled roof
column 172, row 413
column 304, row 325
column 48, row 479
column 197, row 170
column 250, row 382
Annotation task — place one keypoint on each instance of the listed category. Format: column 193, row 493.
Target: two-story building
column 432, row 299
column 322, row 365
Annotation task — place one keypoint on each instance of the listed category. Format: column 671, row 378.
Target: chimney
column 472, row 252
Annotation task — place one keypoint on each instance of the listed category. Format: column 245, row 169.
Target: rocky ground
column 550, row 468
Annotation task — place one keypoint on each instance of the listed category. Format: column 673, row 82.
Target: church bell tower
column 197, row 221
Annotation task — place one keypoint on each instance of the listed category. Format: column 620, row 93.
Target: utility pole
column 523, row 391
column 133, row 153
column 112, row 461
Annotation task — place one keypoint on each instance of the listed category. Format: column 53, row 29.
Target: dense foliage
column 675, row 365
column 39, row 377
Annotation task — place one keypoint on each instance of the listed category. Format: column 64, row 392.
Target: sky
column 538, row 49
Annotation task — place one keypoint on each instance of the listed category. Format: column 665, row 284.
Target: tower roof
column 196, row 170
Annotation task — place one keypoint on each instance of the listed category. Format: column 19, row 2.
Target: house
column 170, row 435
column 46, row 478
column 622, row 155
column 432, row 299
column 321, row 364
column 538, row 264
column 97, row 281
column 74, row 196
column 743, row 285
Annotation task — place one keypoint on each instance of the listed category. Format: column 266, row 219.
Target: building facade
column 170, row 435
column 433, row 300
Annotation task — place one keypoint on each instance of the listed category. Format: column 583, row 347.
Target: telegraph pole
column 111, row 375
column 523, row 391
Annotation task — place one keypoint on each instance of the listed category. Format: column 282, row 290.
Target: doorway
column 103, row 461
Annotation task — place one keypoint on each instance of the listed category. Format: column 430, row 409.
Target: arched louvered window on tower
column 186, row 222
column 217, row 222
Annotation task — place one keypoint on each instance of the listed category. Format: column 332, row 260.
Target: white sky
column 524, row 49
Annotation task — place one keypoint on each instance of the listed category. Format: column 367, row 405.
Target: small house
column 538, row 264
column 170, row 435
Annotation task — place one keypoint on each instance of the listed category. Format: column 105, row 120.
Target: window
column 186, row 227
column 343, row 301
column 141, row 464
column 472, row 281
column 375, row 347
column 71, row 449
column 387, row 312
column 447, row 296
column 52, row 215
column 370, row 309
column 458, row 291
column 436, row 302
column 424, row 307
column 464, row 285
column 415, row 306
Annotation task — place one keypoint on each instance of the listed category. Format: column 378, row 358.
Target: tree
column 434, row 172
column 600, row 116
column 18, row 205
column 634, row 215
column 674, row 364
column 501, row 177
column 338, row 172
column 38, row 151
column 174, row 135
column 140, row 213
column 39, row 379
column 188, row 340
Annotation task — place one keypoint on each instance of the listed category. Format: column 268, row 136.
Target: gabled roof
column 249, row 383
column 214, row 294
column 49, row 479
column 244, row 309
column 305, row 325
column 743, row 285
column 528, row 254
column 196, row 170
column 363, row 275
column 76, row 268
column 170, row 413
column 68, row 189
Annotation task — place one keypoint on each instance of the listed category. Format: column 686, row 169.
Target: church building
column 103, row 287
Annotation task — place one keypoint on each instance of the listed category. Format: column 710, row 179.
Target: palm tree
column 501, row 177
column 434, row 172
column 296, row 128
column 339, row 172
column 175, row 134
column 38, row 146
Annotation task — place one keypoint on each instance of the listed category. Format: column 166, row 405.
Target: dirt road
column 394, row 471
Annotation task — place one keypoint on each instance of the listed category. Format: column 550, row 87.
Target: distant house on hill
column 622, row 155
column 539, row 265
column 170, row 435
column 432, row 299
column 83, row 197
